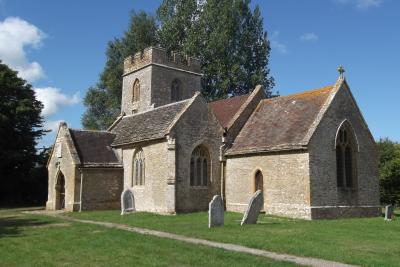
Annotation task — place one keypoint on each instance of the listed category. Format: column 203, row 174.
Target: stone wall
column 162, row 79
column 327, row 200
column 144, row 103
column 152, row 196
column 157, row 55
column 155, row 72
column 101, row 188
column 66, row 164
column 197, row 126
column 285, row 183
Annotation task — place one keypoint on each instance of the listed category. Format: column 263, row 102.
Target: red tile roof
column 225, row 109
column 280, row 123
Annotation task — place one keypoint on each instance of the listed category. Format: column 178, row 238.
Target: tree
column 20, row 127
column 227, row 36
column 389, row 171
column 177, row 18
column 103, row 101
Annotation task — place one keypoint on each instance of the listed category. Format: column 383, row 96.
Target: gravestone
column 253, row 209
column 389, row 212
column 127, row 202
column 216, row 212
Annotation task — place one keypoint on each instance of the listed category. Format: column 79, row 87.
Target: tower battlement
column 159, row 56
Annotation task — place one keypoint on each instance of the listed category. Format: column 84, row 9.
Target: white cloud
column 368, row 3
column 361, row 4
column 52, row 99
column 276, row 44
column 52, row 125
column 16, row 35
column 309, row 37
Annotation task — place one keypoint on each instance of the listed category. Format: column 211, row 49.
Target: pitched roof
column 148, row 125
column 280, row 123
column 93, row 147
column 226, row 109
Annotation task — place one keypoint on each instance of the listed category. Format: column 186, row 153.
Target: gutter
column 80, row 191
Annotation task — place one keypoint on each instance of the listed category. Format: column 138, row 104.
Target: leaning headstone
column 389, row 212
column 253, row 209
column 127, row 202
column 216, row 212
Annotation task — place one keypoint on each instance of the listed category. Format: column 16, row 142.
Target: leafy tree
column 389, row 171
column 227, row 36
column 20, row 127
column 35, row 185
column 178, row 19
column 103, row 101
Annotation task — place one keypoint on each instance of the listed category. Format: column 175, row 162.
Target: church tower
column 153, row 78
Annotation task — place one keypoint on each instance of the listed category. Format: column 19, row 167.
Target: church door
column 60, row 192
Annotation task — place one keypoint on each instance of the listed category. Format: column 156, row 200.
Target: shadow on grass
column 12, row 226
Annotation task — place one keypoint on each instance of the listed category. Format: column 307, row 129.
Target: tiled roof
column 148, row 125
column 225, row 109
column 280, row 123
column 93, row 147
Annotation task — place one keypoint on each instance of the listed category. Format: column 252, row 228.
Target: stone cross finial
column 341, row 70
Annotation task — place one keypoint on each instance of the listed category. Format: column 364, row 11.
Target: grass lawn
column 34, row 240
column 367, row 241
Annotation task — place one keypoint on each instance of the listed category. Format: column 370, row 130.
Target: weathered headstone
column 127, row 202
column 389, row 212
column 216, row 212
column 253, row 209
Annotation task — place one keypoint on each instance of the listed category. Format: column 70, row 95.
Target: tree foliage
column 389, row 171
column 228, row 38
column 20, row 128
column 226, row 35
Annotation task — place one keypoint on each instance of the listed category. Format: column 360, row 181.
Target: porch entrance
column 60, row 192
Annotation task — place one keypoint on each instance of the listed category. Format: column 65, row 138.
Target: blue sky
column 59, row 46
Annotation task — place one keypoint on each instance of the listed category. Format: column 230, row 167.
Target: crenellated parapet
column 159, row 56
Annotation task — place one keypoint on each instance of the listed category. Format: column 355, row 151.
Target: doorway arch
column 60, row 191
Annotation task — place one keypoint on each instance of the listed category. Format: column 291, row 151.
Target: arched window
column 346, row 146
column 199, row 167
column 258, row 181
column 136, row 91
column 176, row 90
column 138, row 168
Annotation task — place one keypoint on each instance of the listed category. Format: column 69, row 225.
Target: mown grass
column 34, row 240
column 365, row 241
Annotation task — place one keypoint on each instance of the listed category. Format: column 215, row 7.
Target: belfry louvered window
column 199, row 167
column 346, row 172
column 176, row 90
column 138, row 168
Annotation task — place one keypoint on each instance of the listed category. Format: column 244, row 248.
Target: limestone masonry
column 310, row 154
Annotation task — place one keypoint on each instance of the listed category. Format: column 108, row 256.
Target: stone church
column 311, row 153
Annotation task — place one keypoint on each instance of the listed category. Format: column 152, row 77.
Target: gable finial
column 341, row 71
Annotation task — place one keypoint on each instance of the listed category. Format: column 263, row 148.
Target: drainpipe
column 223, row 182
column 223, row 163
column 80, row 191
